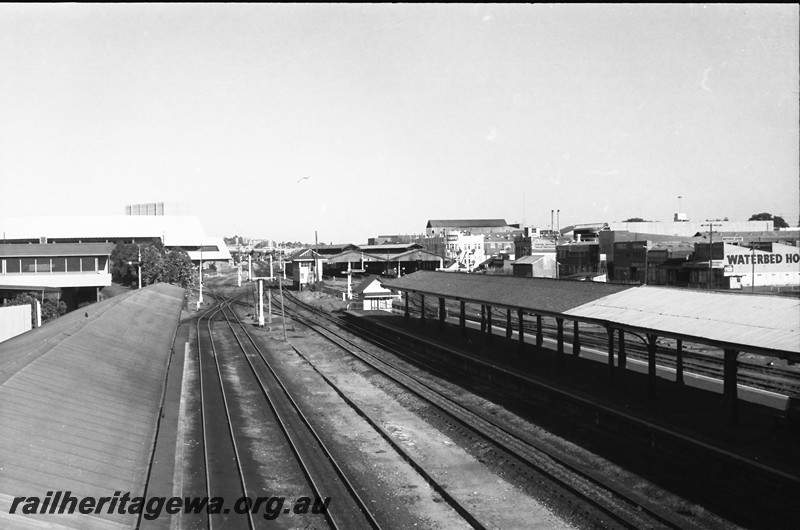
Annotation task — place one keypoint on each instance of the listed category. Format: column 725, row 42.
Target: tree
column 154, row 267
column 121, row 272
column 635, row 220
column 51, row 309
column 179, row 268
column 778, row 221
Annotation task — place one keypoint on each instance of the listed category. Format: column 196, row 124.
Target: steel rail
column 435, row 485
column 209, row 315
column 385, row 367
column 294, row 444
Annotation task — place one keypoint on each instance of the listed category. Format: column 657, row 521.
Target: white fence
column 14, row 320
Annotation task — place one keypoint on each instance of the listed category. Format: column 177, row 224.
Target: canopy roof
column 768, row 325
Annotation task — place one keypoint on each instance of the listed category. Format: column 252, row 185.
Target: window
column 101, row 263
column 12, row 265
column 88, row 264
column 59, row 264
column 73, row 264
column 42, row 264
column 28, row 265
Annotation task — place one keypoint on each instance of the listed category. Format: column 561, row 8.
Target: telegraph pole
column 710, row 226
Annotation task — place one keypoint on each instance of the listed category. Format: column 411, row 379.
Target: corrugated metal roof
column 56, row 249
column 391, row 248
column 543, row 295
column 352, row 256
column 79, row 403
column 528, row 260
column 754, row 321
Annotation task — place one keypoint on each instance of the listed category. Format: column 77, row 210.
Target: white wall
column 14, row 320
column 779, row 267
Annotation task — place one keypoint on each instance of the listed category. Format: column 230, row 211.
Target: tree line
column 158, row 265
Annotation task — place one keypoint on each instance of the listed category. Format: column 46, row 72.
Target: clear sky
column 399, row 113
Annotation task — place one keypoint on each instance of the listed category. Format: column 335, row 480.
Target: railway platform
column 760, row 431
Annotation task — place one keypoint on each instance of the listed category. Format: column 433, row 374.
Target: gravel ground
column 398, row 493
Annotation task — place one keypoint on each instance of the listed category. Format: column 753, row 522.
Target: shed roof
column 175, row 230
column 757, row 322
column 528, row 260
column 391, row 248
column 304, row 254
column 764, row 324
column 81, row 398
column 542, row 295
column 56, row 249
column 353, row 256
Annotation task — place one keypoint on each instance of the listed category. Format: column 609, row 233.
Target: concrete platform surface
column 79, row 404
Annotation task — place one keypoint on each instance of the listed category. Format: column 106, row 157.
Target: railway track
column 227, row 476
column 588, row 491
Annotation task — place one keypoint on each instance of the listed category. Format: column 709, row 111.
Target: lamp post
column 139, row 263
column 200, row 299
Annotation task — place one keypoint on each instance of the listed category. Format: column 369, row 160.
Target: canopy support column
column 679, row 363
column 730, row 384
column 576, row 340
column 406, row 314
column 610, row 332
column 623, row 358
column 538, row 330
column 521, row 331
column 442, row 313
column 462, row 319
column 508, row 323
column 651, row 363
column 560, row 325
column 422, row 310
column 489, row 333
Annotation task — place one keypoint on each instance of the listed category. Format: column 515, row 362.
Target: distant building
column 529, row 245
column 464, row 251
column 392, row 239
column 738, row 267
column 535, row 266
column 494, row 244
column 305, row 268
column 75, row 272
column 157, row 208
column 440, row 227
column 691, row 228
column 578, row 258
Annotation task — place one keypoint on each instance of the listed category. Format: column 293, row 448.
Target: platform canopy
column 741, row 321
column 763, row 324
column 544, row 296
